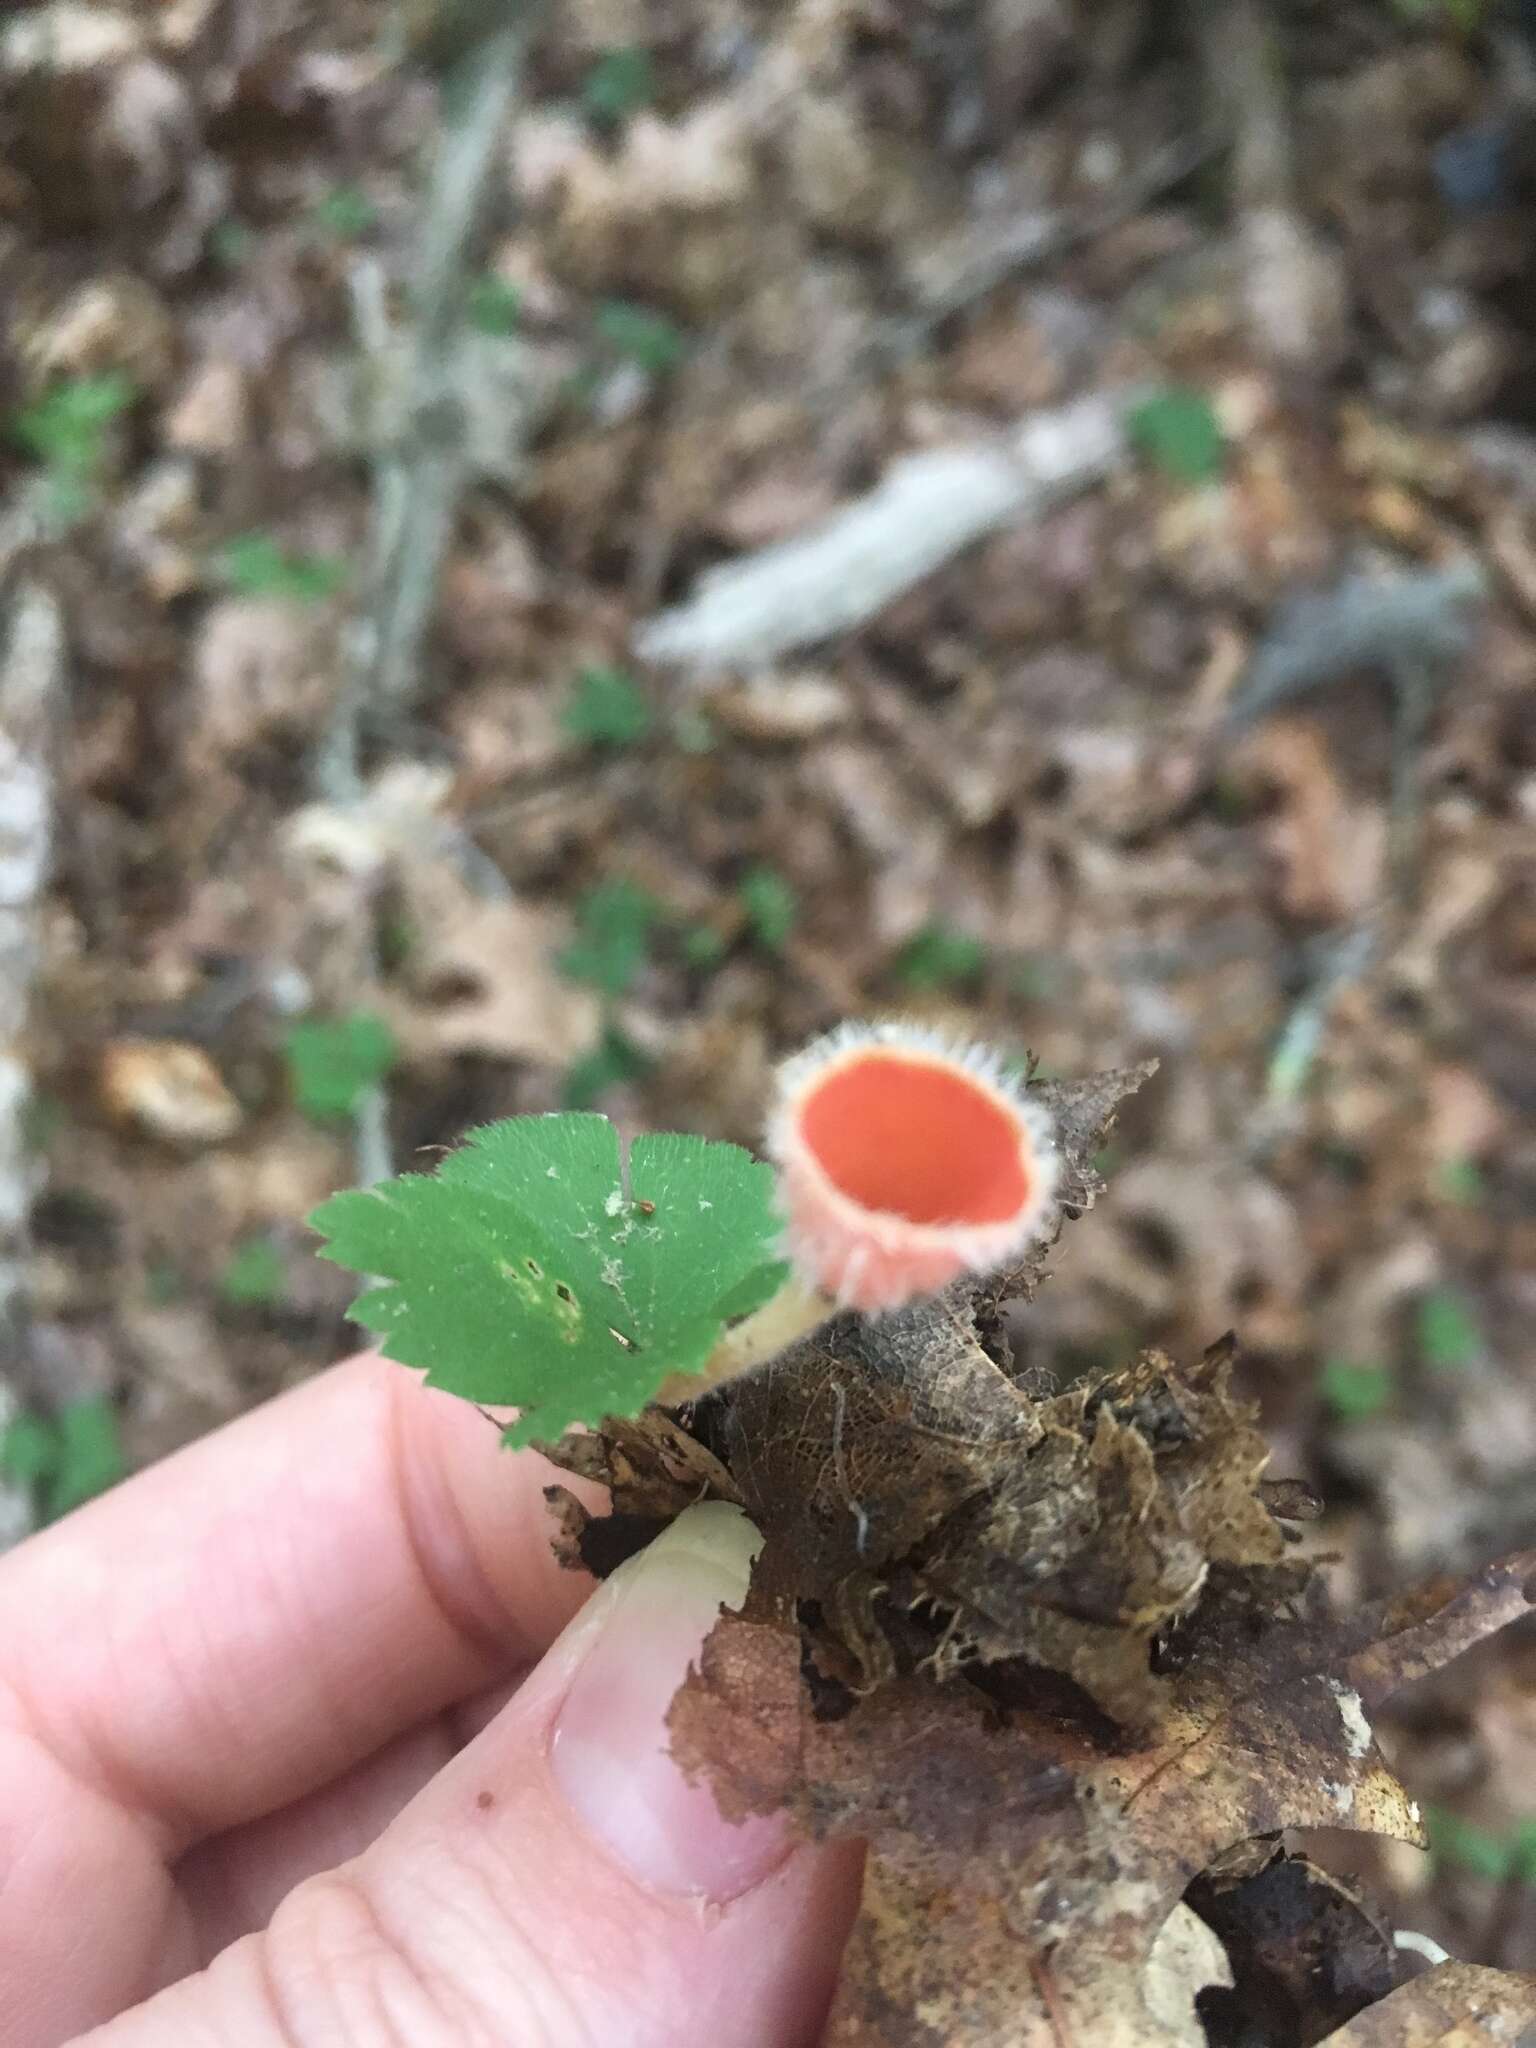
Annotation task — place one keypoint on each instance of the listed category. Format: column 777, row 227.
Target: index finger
column 231, row 1629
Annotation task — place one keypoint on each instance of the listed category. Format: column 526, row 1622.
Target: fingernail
column 609, row 1752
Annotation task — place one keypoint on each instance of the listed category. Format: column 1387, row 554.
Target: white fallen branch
column 925, row 510
column 31, row 685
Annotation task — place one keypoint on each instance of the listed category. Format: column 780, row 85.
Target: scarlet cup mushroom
column 905, row 1160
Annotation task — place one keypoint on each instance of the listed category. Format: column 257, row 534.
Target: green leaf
column 1461, row 1181
column 1466, row 1845
column 703, row 946
column 613, row 933
column 1449, row 1335
column 607, row 708
column 1354, row 1391
column 494, row 305
column 619, row 83
column 29, row 1450
column 333, row 1062
column 527, row 1273
column 1178, row 431
column 345, row 211
column 614, row 1060
column 230, row 243
column 255, row 1276
column 1523, row 1851
column 649, row 339
column 940, row 956
column 771, row 906
column 90, row 1456
column 258, row 565
column 66, row 429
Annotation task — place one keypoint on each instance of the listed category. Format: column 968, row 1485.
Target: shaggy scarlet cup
column 905, row 1161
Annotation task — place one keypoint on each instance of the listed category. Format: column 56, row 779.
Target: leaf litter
column 1060, row 1662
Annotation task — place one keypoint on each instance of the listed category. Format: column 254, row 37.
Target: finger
column 558, row 1880
column 243, row 1623
column 233, row 1883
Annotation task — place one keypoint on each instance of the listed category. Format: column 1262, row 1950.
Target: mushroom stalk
column 794, row 1312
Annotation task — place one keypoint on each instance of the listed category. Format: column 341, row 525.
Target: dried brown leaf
column 1458, row 2005
column 1023, row 1861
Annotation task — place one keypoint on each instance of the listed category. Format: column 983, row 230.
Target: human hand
column 303, row 1741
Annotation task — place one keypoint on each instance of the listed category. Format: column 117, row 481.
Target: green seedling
column 940, row 956
column 64, row 1459
column 258, row 565
column 1449, row 1334
column 614, row 1060
column 255, row 1275
column 614, row 923
column 607, row 708
column 345, row 212
column 68, row 431
column 1179, row 433
column 618, row 85
column 494, row 304
column 334, row 1061
column 771, row 906
column 640, row 335
column 1353, row 1392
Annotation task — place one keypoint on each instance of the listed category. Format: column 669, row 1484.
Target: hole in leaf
column 564, row 1292
column 534, row 1268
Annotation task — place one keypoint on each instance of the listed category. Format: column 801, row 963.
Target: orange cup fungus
column 905, row 1161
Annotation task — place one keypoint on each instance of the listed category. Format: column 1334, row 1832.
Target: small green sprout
column 939, row 956
column 618, row 85
column 771, row 906
column 702, row 946
column 345, row 212
column 614, row 922
column 607, row 709
column 258, row 565
column 614, row 1060
column 334, row 1061
column 67, row 430
column 64, row 1459
column 230, row 243
column 1353, row 1391
column 494, row 305
column 640, row 335
column 1178, row 431
column 1449, row 1334
column 254, row 1276
column 1507, row 1857
column 1462, row 1182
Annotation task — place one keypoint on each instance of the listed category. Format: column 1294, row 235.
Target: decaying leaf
column 1458, row 2005
column 1304, row 1952
column 1024, row 1859
column 1048, row 1656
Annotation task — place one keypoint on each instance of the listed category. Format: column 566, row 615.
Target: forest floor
column 1098, row 786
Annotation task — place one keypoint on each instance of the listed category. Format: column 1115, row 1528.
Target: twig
column 420, row 470
column 31, row 687
column 421, row 465
column 1293, row 285
column 926, row 509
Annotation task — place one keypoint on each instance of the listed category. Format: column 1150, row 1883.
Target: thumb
column 560, row 1881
